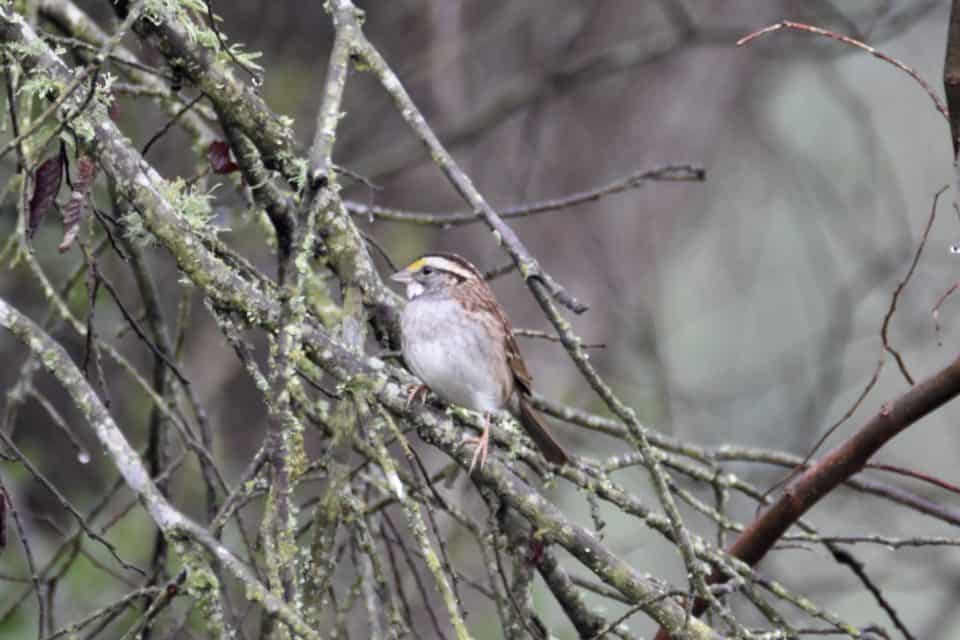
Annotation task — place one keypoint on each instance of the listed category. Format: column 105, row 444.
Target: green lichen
column 300, row 165
column 190, row 202
column 26, row 49
column 42, row 86
column 247, row 59
column 255, row 593
column 297, row 460
column 319, row 299
column 194, row 5
column 203, row 586
column 103, row 93
column 268, row 526
column 83, row 127
column 157, row 11
column 360, row 63
column 206, row 38
column 135, row 230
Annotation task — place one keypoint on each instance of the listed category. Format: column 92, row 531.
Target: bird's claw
column 483, row 445
column 414, row 391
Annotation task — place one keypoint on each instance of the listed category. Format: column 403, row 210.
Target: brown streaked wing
column 477, row 296
column 519, row 368
column 517, row 365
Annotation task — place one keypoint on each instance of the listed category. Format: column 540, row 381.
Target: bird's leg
column 483, row 444
column 413, row 391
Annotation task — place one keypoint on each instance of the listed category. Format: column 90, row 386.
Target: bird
column 457, row 339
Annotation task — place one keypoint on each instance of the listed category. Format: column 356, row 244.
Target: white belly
column 448, row 350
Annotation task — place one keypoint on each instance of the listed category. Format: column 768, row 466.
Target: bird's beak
column 403, row 277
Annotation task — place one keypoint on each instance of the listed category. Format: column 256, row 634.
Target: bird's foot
column 483, row 444
column 415, row 390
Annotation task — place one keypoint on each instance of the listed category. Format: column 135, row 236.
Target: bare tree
column 327, row 504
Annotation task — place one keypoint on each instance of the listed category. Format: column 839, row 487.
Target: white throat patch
column 414, row 289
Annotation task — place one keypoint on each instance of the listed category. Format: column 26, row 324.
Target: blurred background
column 744, row 310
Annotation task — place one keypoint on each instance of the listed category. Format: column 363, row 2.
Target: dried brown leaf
column 46, row 185
column 76, row 208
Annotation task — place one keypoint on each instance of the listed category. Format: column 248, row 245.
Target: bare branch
column 845, row 460
column 797, row 26
column 668, row 173
column 172, row 522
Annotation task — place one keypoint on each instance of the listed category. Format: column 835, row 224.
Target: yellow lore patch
column 415, row 265
column 440, row 263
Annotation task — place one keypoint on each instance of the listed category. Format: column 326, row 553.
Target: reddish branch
column 852, row 455
column 901, row 286
column 839, row 465
column 951, row 74
column 936, row 308
column 846, row 460
column 917, row 475
column 913, row 73
column 887, row 347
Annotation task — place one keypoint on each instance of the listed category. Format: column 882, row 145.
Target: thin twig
column 14, row 120
column 257, row 80
column 139, row 330
column 936, row 309
column 902, row 285
column 170, row 122
column 170, row 520
column 826, row 434
column 67, row 505
column 917, row 475
column 93, row 68
column 505, row 236
column 845, row 558
column 543, row 335
column 799, row 26
column 891, row 309
column 668, row 173
column 27, row 552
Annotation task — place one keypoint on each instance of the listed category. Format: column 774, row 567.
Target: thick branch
column 239, row 103
column 142, row 186
column 840, row 464
column 846, row 460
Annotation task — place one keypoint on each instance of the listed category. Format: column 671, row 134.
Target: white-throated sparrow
column 457, row 339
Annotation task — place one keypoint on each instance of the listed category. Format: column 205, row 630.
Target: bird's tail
column 537, row 430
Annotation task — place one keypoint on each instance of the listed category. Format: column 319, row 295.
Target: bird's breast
column 455, row 354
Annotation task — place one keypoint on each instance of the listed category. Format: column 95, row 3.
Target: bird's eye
column 426, row 271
